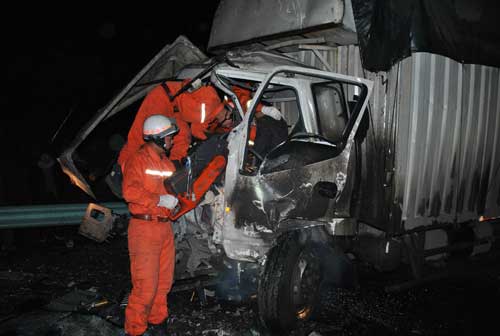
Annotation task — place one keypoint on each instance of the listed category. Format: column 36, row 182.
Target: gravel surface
column 44, row 269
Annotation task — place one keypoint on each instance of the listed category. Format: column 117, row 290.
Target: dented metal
column 282, row 195
column 382, row 171
column 303, row 182
column 280, row 22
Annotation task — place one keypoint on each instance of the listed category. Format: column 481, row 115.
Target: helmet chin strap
column 167, row 151
column 160, row 142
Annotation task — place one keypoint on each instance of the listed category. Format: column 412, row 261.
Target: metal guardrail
column 27, row 216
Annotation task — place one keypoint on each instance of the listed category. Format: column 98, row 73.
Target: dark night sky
column 76, row 58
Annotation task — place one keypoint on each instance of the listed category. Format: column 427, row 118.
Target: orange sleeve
column 253, row 132
column 259, row 107
column 156, row 102
column 244, row 96
column 132, row 186
column 181, row 141
column 123, row 156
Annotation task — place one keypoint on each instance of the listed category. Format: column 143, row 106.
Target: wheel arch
column 278, row 310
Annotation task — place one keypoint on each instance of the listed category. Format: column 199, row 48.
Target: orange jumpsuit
column 157, row 102
column 207, row 123
column 244, row 96
column 200, row 108
column 150, row 243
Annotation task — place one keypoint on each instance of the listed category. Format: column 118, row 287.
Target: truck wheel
column 289, row 284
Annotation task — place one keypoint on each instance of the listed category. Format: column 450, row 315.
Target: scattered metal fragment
column 215, row 332
column 14, row 276
column 73, row 301
column 210, row 293
column 215, row 308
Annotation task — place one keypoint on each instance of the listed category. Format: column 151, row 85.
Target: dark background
column 71, row 61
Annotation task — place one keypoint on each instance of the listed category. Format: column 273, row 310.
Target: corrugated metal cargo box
column 432, row 153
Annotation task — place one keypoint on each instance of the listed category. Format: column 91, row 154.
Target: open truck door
column 163, row 66
column 310, row 176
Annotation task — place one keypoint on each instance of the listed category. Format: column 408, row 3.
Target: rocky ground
column 56, row 282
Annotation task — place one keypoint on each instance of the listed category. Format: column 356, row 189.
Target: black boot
column 158, row 329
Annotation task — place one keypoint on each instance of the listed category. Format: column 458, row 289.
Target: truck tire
column 289, row 284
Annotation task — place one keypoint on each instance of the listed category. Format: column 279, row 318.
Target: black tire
column 289, row 285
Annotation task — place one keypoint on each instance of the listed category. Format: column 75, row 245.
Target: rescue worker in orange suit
column 269, row 128
column 219, row 118
column 205, row 113
column 202, row 99
column 150, row 237
column 245, row 98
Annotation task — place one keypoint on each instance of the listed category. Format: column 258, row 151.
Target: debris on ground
column 14, row 276
column 75, row 300
column 215, row 332
column 48, row 289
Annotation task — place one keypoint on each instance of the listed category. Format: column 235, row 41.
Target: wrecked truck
column 284, row 222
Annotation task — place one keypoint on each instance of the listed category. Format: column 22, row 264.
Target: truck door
column 163, row 66
column 306, row 177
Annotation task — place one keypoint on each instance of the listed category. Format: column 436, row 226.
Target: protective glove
column 272, row 112
column 168, row 201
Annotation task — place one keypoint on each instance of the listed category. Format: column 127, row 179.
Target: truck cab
column 276, row 210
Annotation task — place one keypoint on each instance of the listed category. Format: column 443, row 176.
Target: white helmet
column 157, row 127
